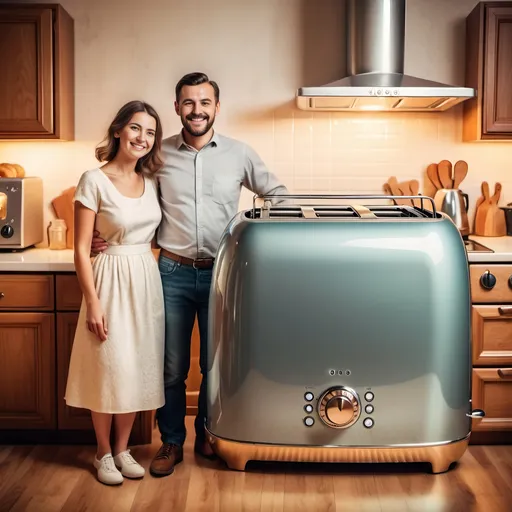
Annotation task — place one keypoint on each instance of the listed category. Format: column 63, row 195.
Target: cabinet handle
column 505, row 310
column 506, row 373
column 2, row 295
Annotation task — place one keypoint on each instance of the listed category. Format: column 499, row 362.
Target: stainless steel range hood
column 375, row 56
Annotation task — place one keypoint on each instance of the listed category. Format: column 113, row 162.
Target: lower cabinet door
column 492, row 392
column 27, row 371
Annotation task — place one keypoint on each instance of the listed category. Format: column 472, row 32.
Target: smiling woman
column 116, row 366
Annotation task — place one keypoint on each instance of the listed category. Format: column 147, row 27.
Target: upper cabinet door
column 498, row 73
column 489, row 71
column 26, row 98
column 36, row 73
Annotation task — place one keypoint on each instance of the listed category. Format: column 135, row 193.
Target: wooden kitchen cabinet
column 38, row 317
column 491, row 326
column 488, row 116
column 27, row 371
column 37, row 69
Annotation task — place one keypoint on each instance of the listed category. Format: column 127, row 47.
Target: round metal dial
column 339, row 407
column 7, row 231
column 488, row 280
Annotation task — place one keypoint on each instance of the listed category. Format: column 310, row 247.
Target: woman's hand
column 96, row 321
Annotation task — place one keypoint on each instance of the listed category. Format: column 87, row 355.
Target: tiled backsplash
column 318, row 153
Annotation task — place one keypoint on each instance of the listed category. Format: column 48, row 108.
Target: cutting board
column 64, row 209
column 489, row 217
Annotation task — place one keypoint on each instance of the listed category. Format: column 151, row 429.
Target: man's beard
column 197, row 132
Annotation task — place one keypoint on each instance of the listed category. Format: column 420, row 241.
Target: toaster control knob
column 488, row 280
column 339, row 407
column 7, row 231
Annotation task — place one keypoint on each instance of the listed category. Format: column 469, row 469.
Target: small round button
column 369, row 409
column 368, row 422
column 309, row 421
column 309, row 396
column 308, row 408
column 368, row 396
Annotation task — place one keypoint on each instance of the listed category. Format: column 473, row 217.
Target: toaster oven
column 340, row 334
column 21, row 212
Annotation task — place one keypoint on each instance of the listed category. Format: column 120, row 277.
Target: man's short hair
column 196, row 79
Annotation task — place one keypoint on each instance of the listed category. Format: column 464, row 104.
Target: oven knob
column 488, row 280
column 339, row 407
column 7, row 231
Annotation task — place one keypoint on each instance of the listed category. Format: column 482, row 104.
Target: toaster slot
column 3, row 206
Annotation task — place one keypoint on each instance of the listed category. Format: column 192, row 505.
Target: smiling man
column 200, row 186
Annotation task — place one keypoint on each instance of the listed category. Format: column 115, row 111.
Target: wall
column 260, row 52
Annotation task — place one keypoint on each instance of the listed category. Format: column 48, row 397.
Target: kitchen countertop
column 501, row 245
column 37, row 260
column 46, row 260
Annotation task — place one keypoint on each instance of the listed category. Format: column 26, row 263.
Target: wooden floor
column 52, row 478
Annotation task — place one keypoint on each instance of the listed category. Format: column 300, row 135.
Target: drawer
column 69, row 294
column 492, row 392
column 500, row 293
column 26, row 292
column 492, row 335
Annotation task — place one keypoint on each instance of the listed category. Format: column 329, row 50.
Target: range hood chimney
column 375, row 56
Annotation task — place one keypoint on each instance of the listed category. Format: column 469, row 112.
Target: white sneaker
column 107, row 472
column 130, row 468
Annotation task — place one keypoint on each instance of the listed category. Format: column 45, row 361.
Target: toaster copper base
column 237, row 454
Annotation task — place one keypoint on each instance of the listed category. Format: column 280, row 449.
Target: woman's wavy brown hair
column 152, row 162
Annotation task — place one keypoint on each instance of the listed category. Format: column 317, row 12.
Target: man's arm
column 258, row 179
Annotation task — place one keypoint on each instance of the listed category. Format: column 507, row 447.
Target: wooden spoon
column 433, row 176
column 395, row 190
column 459, row 173
column 444, row 170
column 388, row 192
column 414, row 185
column 405, row 189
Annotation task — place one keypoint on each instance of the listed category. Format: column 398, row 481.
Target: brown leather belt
column 198, row 263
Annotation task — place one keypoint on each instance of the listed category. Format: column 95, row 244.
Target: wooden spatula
column 433, row 176
column 395, row 190
column 444, row 170
column 388, row 192
column 459, row 173
column 414, row 185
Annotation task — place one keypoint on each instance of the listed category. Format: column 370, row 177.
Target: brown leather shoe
column 167, row 457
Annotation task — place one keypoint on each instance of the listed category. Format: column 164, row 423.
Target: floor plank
column 46, row 478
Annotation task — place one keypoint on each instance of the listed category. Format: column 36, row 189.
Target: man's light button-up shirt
column 200, row 191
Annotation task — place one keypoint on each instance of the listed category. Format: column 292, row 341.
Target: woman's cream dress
column 124, row 373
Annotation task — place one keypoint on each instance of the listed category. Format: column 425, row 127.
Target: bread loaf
column 11, row 171
column 20, row 171
column 8, row 171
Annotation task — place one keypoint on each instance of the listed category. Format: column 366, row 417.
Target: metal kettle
column 455, row 204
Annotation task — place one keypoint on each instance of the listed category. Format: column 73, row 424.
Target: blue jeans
column 186, row 294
